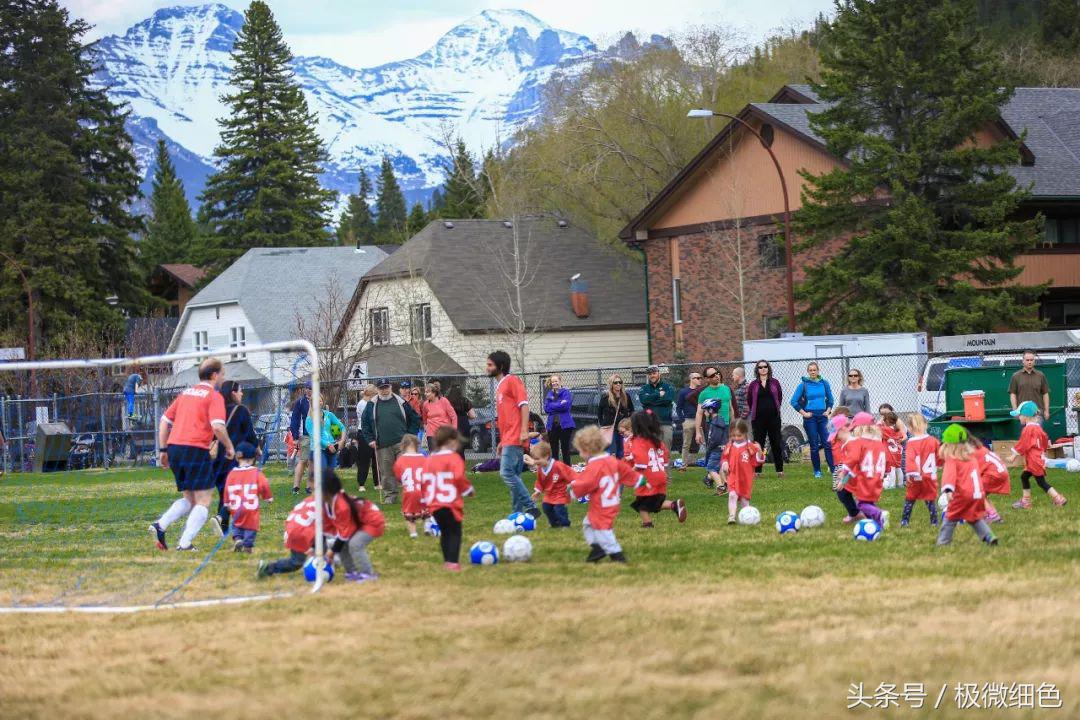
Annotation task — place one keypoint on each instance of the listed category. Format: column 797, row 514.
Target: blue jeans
column 716, row 437
column 329, row 460
column 511, row 465
column 616, row 447
column 294, row 562
column 557, row 515
column 244, row 535
column 129, row 399
column 817, row 434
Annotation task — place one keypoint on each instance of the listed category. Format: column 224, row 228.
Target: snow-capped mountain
column 482, row 80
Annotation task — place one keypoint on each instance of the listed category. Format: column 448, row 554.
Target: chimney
column 579, row 296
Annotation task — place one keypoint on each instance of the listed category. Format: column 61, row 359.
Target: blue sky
column 363, row 33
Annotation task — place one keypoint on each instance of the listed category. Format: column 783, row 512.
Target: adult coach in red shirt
column 194, row 419
column 512, row 408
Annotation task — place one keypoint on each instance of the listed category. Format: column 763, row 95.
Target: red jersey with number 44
column 968, row 501
column 865, row 458
column 602, row 480
column 651, row 461
column 894, row 445
column 993, row 473
column 1032, row 444
column 553, row 481
column 300, row 526
column 445, row 484
column 244, row 488
column 409, row 470
column 922, row 467
column 741, row 460
column 510, row 397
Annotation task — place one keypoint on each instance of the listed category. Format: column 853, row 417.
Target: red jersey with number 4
column 339, row 518
column 510, row 397
column 192, row 413
column 553, row 481
column 602, row 480
column 651, row 461
column 409, row 470
column 993, row 473
column 923, row 459
column 445, row 484
column 1032, row 444
column 894, row 445
column 244, row 488
column 300, row 526
column 865, row 458
column 740, row 461
column 968, row 501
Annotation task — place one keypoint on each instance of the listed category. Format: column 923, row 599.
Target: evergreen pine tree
column 418, row 218
column 170, row 232
column 390, row 221
column 267, row 192
column 68, row 177
column 356, row 226
column 463, row 198
column 939, row 255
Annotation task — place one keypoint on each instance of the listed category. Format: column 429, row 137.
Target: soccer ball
column 943, row 501
column 484, row 553
column 523, row 522
column 1072, row 465
column 583, row 500
column 866, row 530
column 517, row 549
column 504, row 527
column 678, row 464
column 311, row 572
column 749, row 515
column 431, row 527
column 788, row 522
column 889, row 483
column 812, row 516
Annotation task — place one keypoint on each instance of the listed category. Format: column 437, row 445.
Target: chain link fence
column 108, row 431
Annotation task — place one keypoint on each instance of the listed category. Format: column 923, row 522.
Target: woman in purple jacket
column 560, row 424
column 763, row 396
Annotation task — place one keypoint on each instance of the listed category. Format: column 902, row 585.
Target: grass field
column 707, row 620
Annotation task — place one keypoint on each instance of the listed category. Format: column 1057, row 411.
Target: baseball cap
column 652, row 369
column 838, row 423
column 382, row 382
column 245, row 450
column 862, row 419
column 955, row 434
column 1027, row 409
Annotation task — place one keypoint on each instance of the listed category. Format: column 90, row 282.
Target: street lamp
column 790, row 283
column 29, row 316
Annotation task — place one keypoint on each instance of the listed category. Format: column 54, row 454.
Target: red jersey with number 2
column 651, row 461
column 244, row 488
column 409, row 470
column 968, row 501
column 445, row 484
column 602, row 480
column 922, row 467
column 300, row 526
column 865, row 458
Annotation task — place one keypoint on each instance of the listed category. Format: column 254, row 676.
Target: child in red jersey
column 838, row 437
column 894, row 435
column 355, row 524
column 299, row 540
column 646, row 453
column 923, row 456
column 962, row 485
column 863, row 471
column 445, row 489
column 995, row 479
column 602, row 480
column 553, row 478
column 739, row 463
column 409, row 470
column 244, row 488
column 1032, row 444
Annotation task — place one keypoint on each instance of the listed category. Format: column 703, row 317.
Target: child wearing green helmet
column 962, row 485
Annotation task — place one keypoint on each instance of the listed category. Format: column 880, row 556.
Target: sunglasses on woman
column 616, row 382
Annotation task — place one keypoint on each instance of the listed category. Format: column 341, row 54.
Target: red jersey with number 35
column 510, row 397
column 1032, row 444
column 300, row 526
column 445, row 484
column 741, row 460
column 409, row 470
column 651, row 461
column 553, row 481
column 922, row 467
column 244, row 487
column 993, row 473
column 602, row 480
column 968, row 501
column 865, row 458
column 894, row 445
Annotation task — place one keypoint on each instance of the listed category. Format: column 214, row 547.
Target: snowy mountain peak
column 214, row 26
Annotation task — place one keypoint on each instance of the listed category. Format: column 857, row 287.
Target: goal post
column 300, row 346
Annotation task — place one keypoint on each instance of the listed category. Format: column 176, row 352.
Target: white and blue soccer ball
column 788, row 522
column 523, row 522
column 812, row 516
column 583, row 500
column 517, row 549
column 311, row 572
column 749, row 515
column 943, row 501
column 866, row 530
column 678, row 464
column 432, row 528
column 484, row 553
column 1072, row 465
column 504, row 527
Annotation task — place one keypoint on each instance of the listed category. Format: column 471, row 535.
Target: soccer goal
column 73, row 521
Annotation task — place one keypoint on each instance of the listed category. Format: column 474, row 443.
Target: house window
column 217, row 313
column 380, row 326
column 238, row 339
column 420, row 325
column 1061, row 314
column 771, row 251
column 1062, row 231
column 202, row 341
column 676, row 299
column 774, row 326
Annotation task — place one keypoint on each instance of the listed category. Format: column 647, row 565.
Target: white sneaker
column 363, row 488
column 884, row 519
column 216, row 521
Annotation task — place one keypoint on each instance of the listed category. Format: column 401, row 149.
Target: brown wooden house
column 175, row 284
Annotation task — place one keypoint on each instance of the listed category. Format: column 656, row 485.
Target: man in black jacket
column 387, row 419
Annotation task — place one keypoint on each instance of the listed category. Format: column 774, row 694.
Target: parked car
column 585, row 403
column 484, row 431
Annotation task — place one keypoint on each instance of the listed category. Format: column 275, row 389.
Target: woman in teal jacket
column 813, row 399
column 332, row 438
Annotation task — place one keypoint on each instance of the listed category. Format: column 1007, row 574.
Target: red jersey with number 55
column 602, row 480
column 409, row 470
column 968, row 501
column 993, row 473
column 866, row 459
column 300, row 526
column 445, row 484
column 244, row 487
column 922, row 467
column 651, row 461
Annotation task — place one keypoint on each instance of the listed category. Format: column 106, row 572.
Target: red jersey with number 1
column 244, row 488
column 409, row 470
column 300, row 526
column 865, row 458
column 602, row 480
column 651, row 461
column 968, row 501
column 993, row 473
column 510, row 397
column 553, row 481
column 445, row 484
column 742, row 461
column 1032, row 444
column 922, row 466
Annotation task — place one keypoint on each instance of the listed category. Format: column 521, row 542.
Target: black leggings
column 365, row 460
column 769, row 427
column 560, row 442
column 1025, row 481
column 449, row 534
